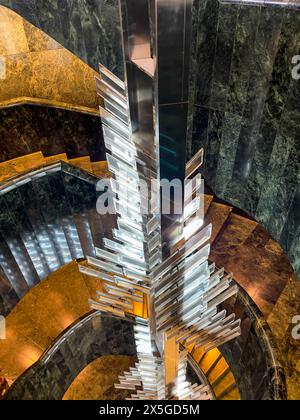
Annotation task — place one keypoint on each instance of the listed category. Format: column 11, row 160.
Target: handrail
column 275, row 372
column 24, row 177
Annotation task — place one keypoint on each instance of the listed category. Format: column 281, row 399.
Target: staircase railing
column 48, row 218
column 254, row 356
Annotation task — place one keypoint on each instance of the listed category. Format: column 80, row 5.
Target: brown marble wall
column 44, row 313
column 280, row 321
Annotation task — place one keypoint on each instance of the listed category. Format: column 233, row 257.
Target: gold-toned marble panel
column 16, row 166
column 96, row 381
column 13, row 39
column 39, row 68
column 38, row 40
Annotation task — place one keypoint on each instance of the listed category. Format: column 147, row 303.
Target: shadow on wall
column 247, row 112
column 36, row 69
column 27, row 129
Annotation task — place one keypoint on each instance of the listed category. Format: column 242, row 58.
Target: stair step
column 8, row 296
column 82, row 199
column 100, row 169
column 17, row 209
column 218, row 215
column 82, row 163
column 61, row 157
column 229, row 393
column 11, row 268
column 16, row 166
column 37, row 221
column 220, row 371
column 237, row 231
column 198, row 354
column 49, row 204
column 64, row 214
column 213, row 366
column 208, row 199
column 208, row 360
column 12, row 232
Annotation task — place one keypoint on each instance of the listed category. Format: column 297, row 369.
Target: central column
column 156, row 39
column 156, row 42
column 173, row 32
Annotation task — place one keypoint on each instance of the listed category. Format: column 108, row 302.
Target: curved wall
column 27, row 129
column 254, row 357
column 95, row 336
column 246, row 105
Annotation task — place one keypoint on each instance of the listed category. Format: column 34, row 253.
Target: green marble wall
column 247, row 112
column 88, row 28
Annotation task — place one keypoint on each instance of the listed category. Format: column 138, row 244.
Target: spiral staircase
column 49, row 223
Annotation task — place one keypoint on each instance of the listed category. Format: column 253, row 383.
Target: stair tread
column 209, row 359
column 218, row 215
column 229, row 392
column 219, row 370
column 197, row 354
column 82, row 163
column 11, row 268
column 233, row 395
column 100, row 169
column 62, row 156
column 21, row 164
column 208, row 199
column 28, row 244
column 237, row 231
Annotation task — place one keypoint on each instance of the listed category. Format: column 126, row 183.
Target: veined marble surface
column 247, row 112
column 88, row 28
column 27, row 129
column 39, row 70
column 246, row 106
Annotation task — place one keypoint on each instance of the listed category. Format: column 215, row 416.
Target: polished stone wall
column 245, row 103
column 88, row 28
column 247, row 112
column 253, row 357
column 27, row 129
